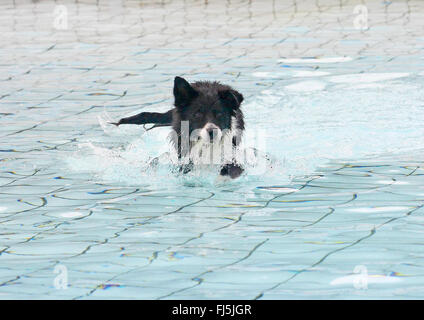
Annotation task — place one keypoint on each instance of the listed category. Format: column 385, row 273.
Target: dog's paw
column 232, row 170
column 186, row 168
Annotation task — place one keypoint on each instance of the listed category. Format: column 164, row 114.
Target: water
column 337, row 214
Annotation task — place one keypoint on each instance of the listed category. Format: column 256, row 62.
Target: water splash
column 302, row 131
column 345, row 121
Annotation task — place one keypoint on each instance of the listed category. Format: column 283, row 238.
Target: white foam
column 269, row 75
column 364, row 279
column 379, row 209
column 306, row 86
column 316, row 60
column 280, row 189
column 305, row 73
column 366, row 77
column 296, row 74
column 393, row 182
column 368, row 86
column 72, row 214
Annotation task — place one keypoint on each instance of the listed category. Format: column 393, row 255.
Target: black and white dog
column 205, row 114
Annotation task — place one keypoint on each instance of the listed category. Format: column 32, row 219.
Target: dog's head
column 209, row 107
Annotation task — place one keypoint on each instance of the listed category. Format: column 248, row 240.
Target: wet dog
column 206, row 114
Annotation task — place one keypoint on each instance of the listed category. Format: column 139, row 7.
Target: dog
column 206, row 114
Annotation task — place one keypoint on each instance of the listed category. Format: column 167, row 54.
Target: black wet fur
column 199, row 103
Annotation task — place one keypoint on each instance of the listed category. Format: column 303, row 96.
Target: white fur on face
column 202, row 151
column 235, row 132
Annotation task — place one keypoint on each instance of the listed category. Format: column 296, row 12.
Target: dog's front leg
column 186, row 168
column 233, row 170
column 162, row 119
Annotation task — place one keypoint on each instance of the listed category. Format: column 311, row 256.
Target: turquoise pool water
column 338, row 110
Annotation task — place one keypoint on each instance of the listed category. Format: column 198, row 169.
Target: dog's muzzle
column 211, row 133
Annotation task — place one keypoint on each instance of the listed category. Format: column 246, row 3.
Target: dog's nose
column 210, row 132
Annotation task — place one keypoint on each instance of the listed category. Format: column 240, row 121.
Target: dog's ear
column 183, row 92
column 231, row 98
